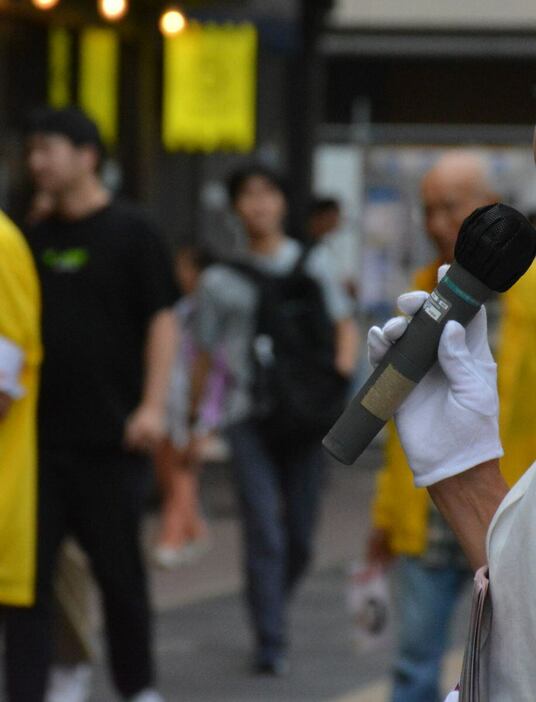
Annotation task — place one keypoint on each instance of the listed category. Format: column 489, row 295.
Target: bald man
column 457, row 184
column 431, row 568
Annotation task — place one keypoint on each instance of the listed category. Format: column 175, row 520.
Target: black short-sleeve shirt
column 103, row 278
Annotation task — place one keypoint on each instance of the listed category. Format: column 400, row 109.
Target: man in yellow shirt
column 20, row 357
column 431, row 571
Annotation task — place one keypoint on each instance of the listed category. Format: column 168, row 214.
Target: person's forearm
column 160, row 351
column 346, row 346
column 468, row 502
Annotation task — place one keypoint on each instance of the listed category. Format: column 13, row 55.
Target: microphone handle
column 459, row 296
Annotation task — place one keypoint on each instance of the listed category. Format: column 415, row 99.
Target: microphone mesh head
column 497, row 244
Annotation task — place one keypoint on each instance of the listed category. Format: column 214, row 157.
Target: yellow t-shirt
column 516, row 359
column 20, row 324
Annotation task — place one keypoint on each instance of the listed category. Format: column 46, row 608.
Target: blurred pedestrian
column 278, row 463
column 108, row 336
column 431, row 570
column 73, row 631
column 183, row 532
column 327, row 229
column 324, row 218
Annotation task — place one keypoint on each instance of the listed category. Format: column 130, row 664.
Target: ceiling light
column 113, row 10
column 172, row 21
column 45, row 4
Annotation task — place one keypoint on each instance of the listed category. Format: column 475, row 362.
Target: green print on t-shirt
column 67, row 261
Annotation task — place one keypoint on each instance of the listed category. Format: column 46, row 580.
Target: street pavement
column 202, row 640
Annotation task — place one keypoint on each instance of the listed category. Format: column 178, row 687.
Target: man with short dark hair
column 328, row 230
column 108, row 337
column 324, row 217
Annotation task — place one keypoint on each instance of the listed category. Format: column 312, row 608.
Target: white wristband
column 11, row 360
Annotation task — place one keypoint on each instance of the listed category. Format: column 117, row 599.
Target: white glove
column 449, row 423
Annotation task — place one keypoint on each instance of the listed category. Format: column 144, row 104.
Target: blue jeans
column 425, row 601
column 279, row 488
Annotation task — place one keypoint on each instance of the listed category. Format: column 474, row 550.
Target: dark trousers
column 100, row 499
column 279, row 486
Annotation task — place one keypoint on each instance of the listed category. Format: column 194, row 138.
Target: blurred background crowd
column 166, row 166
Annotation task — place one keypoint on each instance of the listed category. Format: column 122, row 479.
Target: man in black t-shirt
column 108, row 333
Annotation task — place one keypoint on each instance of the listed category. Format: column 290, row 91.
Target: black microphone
column 496, row 245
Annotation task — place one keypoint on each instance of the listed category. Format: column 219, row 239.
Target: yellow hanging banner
column 98, row 79
column 59, row 67
column 209, row 90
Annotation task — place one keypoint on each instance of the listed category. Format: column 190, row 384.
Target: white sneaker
column 147, row 696
column 69, row 683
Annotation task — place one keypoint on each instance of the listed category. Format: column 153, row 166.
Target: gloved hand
column 449, row 423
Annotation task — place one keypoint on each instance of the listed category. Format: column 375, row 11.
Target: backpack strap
column 251, row 272
column 258, row 276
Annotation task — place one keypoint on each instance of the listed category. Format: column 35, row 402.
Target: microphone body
column 458, row 296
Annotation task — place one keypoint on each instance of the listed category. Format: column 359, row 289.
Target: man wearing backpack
column 290, row 343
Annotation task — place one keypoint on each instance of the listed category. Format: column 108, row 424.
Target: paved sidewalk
column 203, row 646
